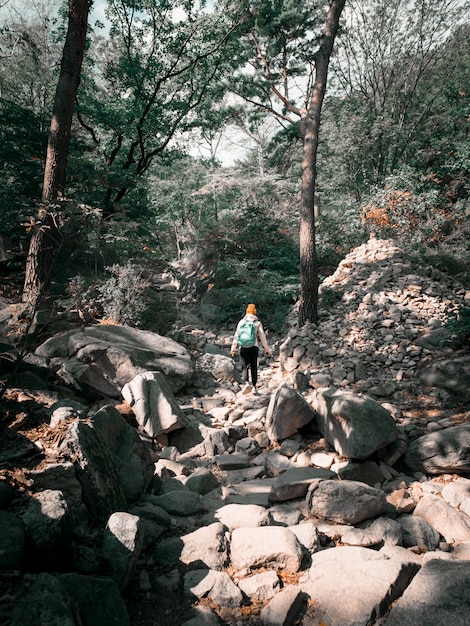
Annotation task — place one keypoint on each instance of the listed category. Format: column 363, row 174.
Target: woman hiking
column 249, row 330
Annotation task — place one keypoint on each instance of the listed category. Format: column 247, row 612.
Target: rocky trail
column 337, row 495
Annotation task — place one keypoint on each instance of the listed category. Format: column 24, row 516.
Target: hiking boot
column 246, row 389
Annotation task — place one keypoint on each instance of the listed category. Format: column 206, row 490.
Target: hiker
column 249, row 330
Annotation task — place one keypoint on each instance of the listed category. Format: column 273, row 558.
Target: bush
column 125, row 297
column 460, row 329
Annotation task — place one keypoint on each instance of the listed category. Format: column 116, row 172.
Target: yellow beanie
column 251, row 309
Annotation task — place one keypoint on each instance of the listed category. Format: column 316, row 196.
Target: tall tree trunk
column 47, row 238
column 310, row 127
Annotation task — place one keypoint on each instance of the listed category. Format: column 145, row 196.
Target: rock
column 204, row 617
column 284, row 608
column 451, row 374
column 371, row 533
column 438, row 595
column 43, row 595
column 202, row 481
column 287, row 412
column 153, row 404
column 98, row 599
column 103, row 492
column 48, row 529
column 367, row 472
column 265, row 546
column 219, row 366
column 242, row 515
column 418, row 532
column 198, row 440
column 345, row 573
column 128, row 452
column 12, row 543
column 100, row 360
column 453, row 525
column 356, row 427
column 345, row 502
column 205, row 547
column 65, row 410
column 457, row 494
column 216, row 585
column 183, row 503
column 294, row 482
column 122, row 543
column 260, row 586
column 441, row 452
column 62, row 477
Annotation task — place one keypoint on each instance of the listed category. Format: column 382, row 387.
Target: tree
column 287, row 79
column 47, row 237
column 151, row 80
column 390, row 76
column 29, row 52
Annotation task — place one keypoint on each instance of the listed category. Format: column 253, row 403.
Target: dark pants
column 249, row 357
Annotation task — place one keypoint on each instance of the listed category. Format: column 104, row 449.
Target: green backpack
column 247, row 334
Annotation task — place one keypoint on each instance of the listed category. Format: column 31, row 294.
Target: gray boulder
column 452, row 524
column 354, row 585
column 102, row 490
column 219, row 366
column 451, row 374
column 287, row 412
column 216, row 585
column 355, row 426
column 122, row 544
column 100, row 360
column 438, row 595
column 153, row 403
column 441, row 452
column 48, row 529
column 266, row 546
column 345, row 502
column 12, row 542
column 294, row 482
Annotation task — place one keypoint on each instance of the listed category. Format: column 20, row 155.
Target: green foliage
column 120, row 298
column 329, row 298
column 22, row 145
column 253, row 259
column 460, row 329
column 149, row 83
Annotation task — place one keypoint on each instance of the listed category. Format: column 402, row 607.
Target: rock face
column 290, row 506
column 102, row 359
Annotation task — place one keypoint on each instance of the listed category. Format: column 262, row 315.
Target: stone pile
column 320, row 500
column 380, row 316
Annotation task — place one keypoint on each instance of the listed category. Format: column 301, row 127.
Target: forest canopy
column 186, row 142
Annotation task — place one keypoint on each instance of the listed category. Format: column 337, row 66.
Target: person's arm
column 233, row 349
column 264, row 341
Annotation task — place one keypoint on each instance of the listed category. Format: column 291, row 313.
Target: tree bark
column 47, row 238
column 310, row 127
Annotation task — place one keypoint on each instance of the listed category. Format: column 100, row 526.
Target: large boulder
column 345, row 502
column 356, row 426
column 220, row 366
column 441, row 452
column 153, row 404
column 100, row 360
column 451, row 374
column 287, row 412
column 95, row 467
